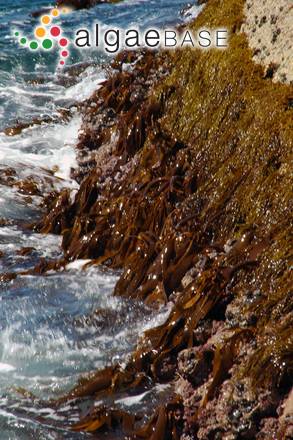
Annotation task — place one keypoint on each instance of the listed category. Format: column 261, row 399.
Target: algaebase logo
column 45, row 33
column 112, row 41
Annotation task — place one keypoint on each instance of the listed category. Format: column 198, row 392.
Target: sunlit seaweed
column 213, row 162
column 225, row 355
column 166, row 422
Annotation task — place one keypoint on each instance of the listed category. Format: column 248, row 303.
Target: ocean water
column 51, row 331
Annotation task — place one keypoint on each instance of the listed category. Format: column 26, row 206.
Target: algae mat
column 200, row 215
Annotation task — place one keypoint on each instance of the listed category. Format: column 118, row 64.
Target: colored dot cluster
column 41, row 32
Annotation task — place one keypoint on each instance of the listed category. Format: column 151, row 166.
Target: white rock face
column 269, row 29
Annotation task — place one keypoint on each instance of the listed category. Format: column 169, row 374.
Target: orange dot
column 70, row 10
column 46, row 19
column 64, row 11
column 55, row 13
column 40, row 32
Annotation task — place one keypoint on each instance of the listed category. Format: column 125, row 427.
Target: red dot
column 64, row 53
column 63, row 42
column 61, row 62
column 55, row 31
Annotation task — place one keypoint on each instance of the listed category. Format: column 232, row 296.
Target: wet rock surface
column 236, row 410
column 103, row 120
column 185, row 184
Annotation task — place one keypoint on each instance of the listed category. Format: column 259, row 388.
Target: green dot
column 33, row 45
column 47, row 44
column 23, row 40
column 16, row 34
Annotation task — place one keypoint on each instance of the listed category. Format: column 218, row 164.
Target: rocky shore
column 185, row 172
column 268, row 26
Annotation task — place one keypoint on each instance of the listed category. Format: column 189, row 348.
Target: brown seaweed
column 206, row 165
column 166, row 422
column 224, row 357
column 165, row 341
column 19, row 127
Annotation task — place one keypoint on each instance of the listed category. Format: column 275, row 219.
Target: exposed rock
column 268, row 25
column 195, row 364
column 201, row 216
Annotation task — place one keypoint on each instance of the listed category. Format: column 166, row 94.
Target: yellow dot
column 64, row 11
column 55, row 13
column 40, row 32
column 70, row 10
column 46, row 19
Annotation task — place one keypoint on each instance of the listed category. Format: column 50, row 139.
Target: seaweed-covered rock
column 195, row 206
